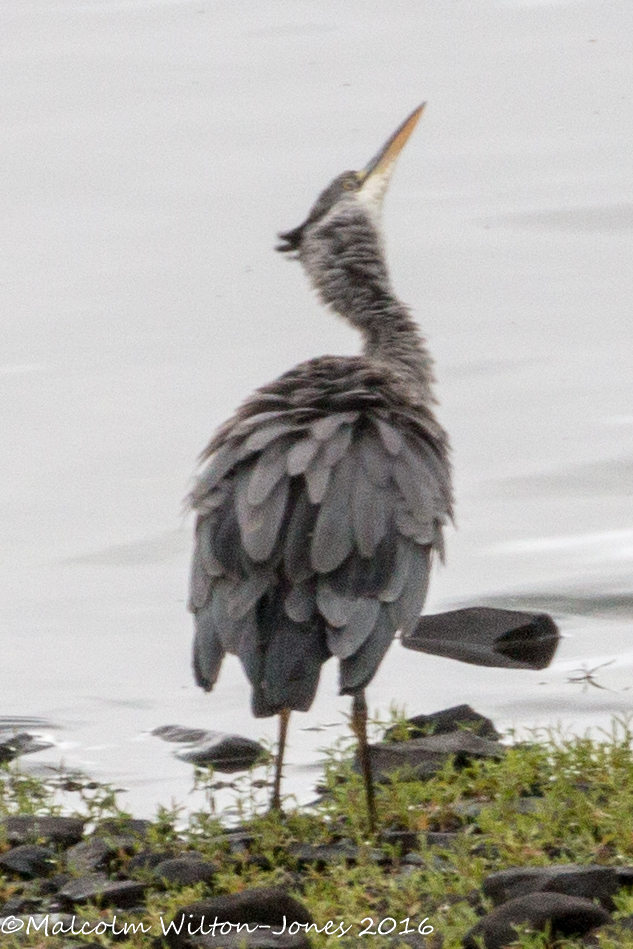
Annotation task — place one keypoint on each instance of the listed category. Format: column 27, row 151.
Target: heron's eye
column 349, row 185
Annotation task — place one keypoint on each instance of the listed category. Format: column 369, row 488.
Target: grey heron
column 322, row 500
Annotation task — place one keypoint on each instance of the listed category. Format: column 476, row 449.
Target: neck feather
column 345, row 261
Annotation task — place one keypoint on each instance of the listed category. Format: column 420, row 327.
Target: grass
column 553, row 799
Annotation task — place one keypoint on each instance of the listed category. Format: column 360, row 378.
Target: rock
column 181, row 734
column 442, row 839
column 619, row 928
column 567, row 916
column 148, row 859
column 122, row 827
column 60, row 831
column 624, row 875
column 42, row 923
column 258, row 939
column 588, row 882
column 16, row 905
column 265, row 906
column 184, row 871
column 450, row 720
column 405, row 840
column 96, row 888
column 239, row 841
column 13, row 744
column 227, row 753
column 28, row 861
column 486, row 636
column 97, row 853
column 422, row 757
column 323, row 854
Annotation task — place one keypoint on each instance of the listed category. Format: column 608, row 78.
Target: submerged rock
column 226, row 753
column 13, row 744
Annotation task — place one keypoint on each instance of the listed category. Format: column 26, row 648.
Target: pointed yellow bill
column 376, row 174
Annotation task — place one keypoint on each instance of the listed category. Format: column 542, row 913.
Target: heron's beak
column 376, row 175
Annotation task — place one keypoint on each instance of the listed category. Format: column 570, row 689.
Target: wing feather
column 335, row 607
column 348, row 640
column 333, row 536
column 208, row 651
column 269, row 468
column 391, row 438
column 297, row 564
column 357, row 671
column 260, row 525
column 301, row 454
column 323, row 428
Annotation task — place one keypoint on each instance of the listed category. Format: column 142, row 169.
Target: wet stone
column 179, row 733
column 13, row 744
column 310, row 855
column 566, row 915
column 20, row 904
column 28, row 861
column 96, row 888
column 460, row 717
column 59, row 831
column 404, row 840
column 122, row 827
column 439, row 838
column 89, row 855
column 266, row 906
column 588, row 882
column 148, row 860
column 423, row 757
column 226, row 753
column 184, row 871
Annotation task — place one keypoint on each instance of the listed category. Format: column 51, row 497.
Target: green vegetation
column 551, row 800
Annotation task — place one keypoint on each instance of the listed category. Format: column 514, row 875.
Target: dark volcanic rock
column 266, row 906
column 460, row 717
column 424, row 756
column 567, row 916
column 588, row 882
column 28, row 861
column 61, row 831
column 96, row 888
column 184, row 871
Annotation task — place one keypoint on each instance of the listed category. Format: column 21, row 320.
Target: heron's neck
column 392, row 337
column 347, row 266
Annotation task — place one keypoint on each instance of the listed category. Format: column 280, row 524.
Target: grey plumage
column 324, row 497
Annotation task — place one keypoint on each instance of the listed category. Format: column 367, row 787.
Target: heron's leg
column 284, row 717
column 359, row 724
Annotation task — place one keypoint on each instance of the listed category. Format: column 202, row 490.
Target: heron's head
column 351, row 196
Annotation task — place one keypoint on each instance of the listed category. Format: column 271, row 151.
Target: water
column 153, row 150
